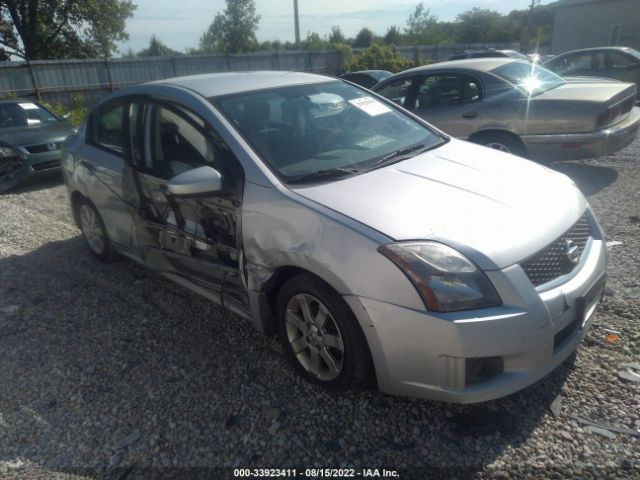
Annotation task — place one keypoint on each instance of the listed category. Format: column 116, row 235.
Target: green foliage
column 313, row 42
column 421, row 27
column 44, row 29
column 76, row 114
column 8, row 96
column 482, row 25
column 336, row 36
column 346, row 55
column 393, row 36
column 234, row 30
column 364, row 38
column 379, row 57
column 157, row 49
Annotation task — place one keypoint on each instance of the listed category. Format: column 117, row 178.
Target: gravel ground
column 110, row 371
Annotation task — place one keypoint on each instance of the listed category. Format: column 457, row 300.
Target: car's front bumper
column 425, row 354
column 28, row 167
column 574, row 146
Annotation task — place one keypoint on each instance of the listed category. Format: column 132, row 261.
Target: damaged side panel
column 281, row 229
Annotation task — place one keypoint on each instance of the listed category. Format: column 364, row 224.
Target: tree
column 313, row 42
column 393, row 36
column 481, row 25
column 421, row 27
column 336, row 35
column 233, row 30
column 379, row 57
column 157, row 49
column 44, row 29
column 364, row 38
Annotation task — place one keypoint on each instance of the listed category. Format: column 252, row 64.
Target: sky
column 179, row 24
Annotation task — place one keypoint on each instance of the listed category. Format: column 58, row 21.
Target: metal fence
column 58, row 81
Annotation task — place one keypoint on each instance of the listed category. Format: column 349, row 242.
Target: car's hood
column 596, row 91
column 496, row 208
column 34, row 134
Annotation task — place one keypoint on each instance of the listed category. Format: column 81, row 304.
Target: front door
column 195, row 238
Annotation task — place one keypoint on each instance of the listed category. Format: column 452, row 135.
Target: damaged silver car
column 376, row 247
column 30, row 139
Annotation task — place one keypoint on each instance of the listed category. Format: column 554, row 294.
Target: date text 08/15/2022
column 315, row 473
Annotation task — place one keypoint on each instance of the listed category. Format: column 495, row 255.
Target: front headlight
column 8, row 152
column 446, row 280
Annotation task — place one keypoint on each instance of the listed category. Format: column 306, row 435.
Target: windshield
column 531, row 78
column 306, row 129
column 24, row 114
column 633, row 52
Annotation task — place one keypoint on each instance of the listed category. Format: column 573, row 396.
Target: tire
column 503, row 142
column 327, row 347
column 94, row 233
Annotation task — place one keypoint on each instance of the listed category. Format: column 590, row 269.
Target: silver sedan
column 519, row 107
column 373, row 245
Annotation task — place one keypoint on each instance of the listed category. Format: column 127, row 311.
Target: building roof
column 217, row 84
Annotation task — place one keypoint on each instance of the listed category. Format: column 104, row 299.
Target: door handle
column 470, row 115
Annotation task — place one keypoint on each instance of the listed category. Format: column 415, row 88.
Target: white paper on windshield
column 28, row 106
column 370, row 106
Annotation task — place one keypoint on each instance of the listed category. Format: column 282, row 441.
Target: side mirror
column 199, row 181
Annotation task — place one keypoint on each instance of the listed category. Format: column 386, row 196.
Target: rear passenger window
column 107, row 128
column 447, row 91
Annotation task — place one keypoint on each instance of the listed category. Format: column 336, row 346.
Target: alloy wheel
column 314, row 337
column 498, row 146
column 92, row 229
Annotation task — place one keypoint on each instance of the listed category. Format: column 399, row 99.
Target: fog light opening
column 479, row 370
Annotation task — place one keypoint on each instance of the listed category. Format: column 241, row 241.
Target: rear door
column 102, row 163
column 195, row 238
column 448, row 100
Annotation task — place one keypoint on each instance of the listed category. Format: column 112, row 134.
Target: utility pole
column 296, row 19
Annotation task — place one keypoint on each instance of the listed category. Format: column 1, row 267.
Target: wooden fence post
column 33, row 81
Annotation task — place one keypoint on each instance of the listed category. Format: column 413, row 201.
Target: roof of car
column 478, row 64
column 216, row 84
column 596, row 49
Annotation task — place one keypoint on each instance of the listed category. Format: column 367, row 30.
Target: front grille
column 553, row 261
column 46, row 165
column 43, row 147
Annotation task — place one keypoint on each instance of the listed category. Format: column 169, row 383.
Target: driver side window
column 168, row 140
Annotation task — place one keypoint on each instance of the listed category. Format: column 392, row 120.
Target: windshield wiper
column 328, row 173
column 398, row 155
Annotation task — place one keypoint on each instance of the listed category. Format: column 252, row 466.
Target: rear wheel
column 94, row 233
column 503, row 142
column 321, row 336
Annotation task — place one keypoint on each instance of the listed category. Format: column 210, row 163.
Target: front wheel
column 94, row 232
column 321, row 336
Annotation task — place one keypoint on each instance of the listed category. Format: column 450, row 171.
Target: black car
column 366, row 78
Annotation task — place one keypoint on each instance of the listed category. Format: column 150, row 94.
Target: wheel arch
column 76, row 199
